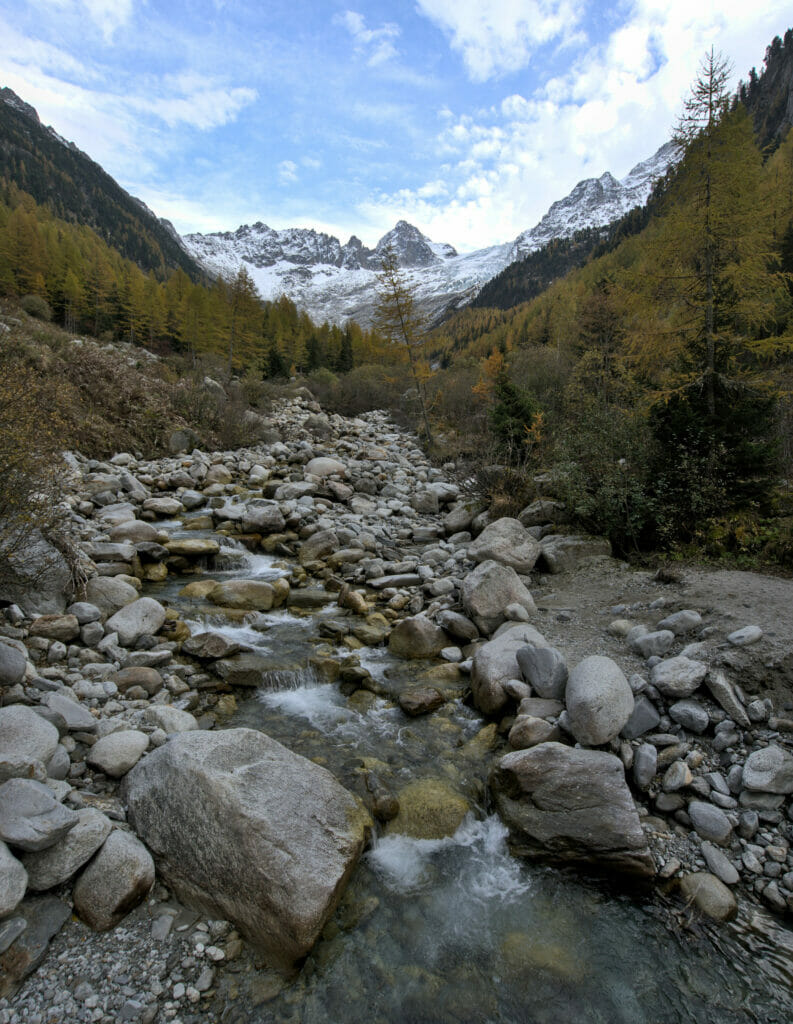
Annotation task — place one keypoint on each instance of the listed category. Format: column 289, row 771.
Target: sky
column 467, row 118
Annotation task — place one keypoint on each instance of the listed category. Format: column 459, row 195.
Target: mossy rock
column 429, row 809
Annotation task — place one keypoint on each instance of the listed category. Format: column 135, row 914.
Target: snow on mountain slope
column 338, row 282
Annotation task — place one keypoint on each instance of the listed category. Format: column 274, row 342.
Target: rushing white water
column 486, row 872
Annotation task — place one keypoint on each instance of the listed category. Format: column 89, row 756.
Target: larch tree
column 399, row 320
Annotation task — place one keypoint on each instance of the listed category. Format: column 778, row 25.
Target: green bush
column 36, row 306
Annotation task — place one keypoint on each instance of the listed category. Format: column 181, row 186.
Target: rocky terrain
column 628, row 725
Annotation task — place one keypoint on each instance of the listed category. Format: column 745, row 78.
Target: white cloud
column 287, row 172
column 194, row 101
column 614, row 106
column 499, row 36
column 377, row 44
column 107, row 15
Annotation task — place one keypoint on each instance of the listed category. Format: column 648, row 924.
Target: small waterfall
column 281, row 679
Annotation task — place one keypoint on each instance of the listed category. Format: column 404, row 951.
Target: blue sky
column 465, row 117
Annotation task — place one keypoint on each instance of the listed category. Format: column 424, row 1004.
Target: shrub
column 36, row 306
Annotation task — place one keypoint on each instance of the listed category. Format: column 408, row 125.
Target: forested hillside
column 654, row 380
column 61, row 177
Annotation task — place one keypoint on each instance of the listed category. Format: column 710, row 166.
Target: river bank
column 336, row 592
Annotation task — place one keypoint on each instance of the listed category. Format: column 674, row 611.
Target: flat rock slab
column 44, row 916
column 30, row 816
column 249, row 831
column 568, row 804
column 769, row 770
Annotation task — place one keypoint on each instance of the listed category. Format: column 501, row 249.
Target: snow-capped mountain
column 338, row 282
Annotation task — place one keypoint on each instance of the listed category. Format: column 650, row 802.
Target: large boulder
column 109, row 593
column 507, row 542
column 116, row 880
column 36, row 577
column 561, row 553
column 496, row 662
column 489, row 590
column 769, row 770
column 417, row 637
column 140, row 618
column 246, row 830
column 570, row 804
column 26, row 740
column 599, row 700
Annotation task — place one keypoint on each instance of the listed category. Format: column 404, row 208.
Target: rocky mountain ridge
column 337, row 282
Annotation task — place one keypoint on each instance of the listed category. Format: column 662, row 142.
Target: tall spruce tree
column 716, row 270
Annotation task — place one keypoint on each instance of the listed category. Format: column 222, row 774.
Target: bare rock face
column 243, row 828
column 568, row 804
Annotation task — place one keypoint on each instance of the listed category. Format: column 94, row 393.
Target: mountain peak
column 10, row 98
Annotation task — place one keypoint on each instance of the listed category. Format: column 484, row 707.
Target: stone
column 495, row 663
column 26, row 739
column 324, row 466
column 169, row 719
column 599, row 700
column 84, row 612
column 200, row 547
column 77, row 717
column 145, row 616
column 43, row 917
column 645, row 765
column 59, row 862
column 36, row 577
column 138, row 675
column 678, row 677
column 724, row 693
column 30, row 816
column 421, row 700
column 709, row 895
column 134, row 531
column 769, row 770
column 218, row 474
column 545, row 669
column 13, row 881
column 528, row 731
column 488, row 590
column 428, row 809
column 690, row 715
column 251, row 595
column 562, row 553
column 319, row 545
column 12, row 665
column 118, row 878
column 56, row 627
column 744, row 637
column 570, row 804
column 210, row 646
column 263, row 516
column 652, row 644
column 109, row 593
column 417, row 637
column 681, row 622
column 250, row 832
column 117, row 753
column 507, row 542
column 457, row 625
column 721, row 866
column 542, row 511
column 644, row 717
column 677, row 776
column 164, row 507
column 710, row 822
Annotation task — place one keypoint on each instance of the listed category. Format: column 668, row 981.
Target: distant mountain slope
column 59, row 175
column 769, row 95
column 337, row 282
